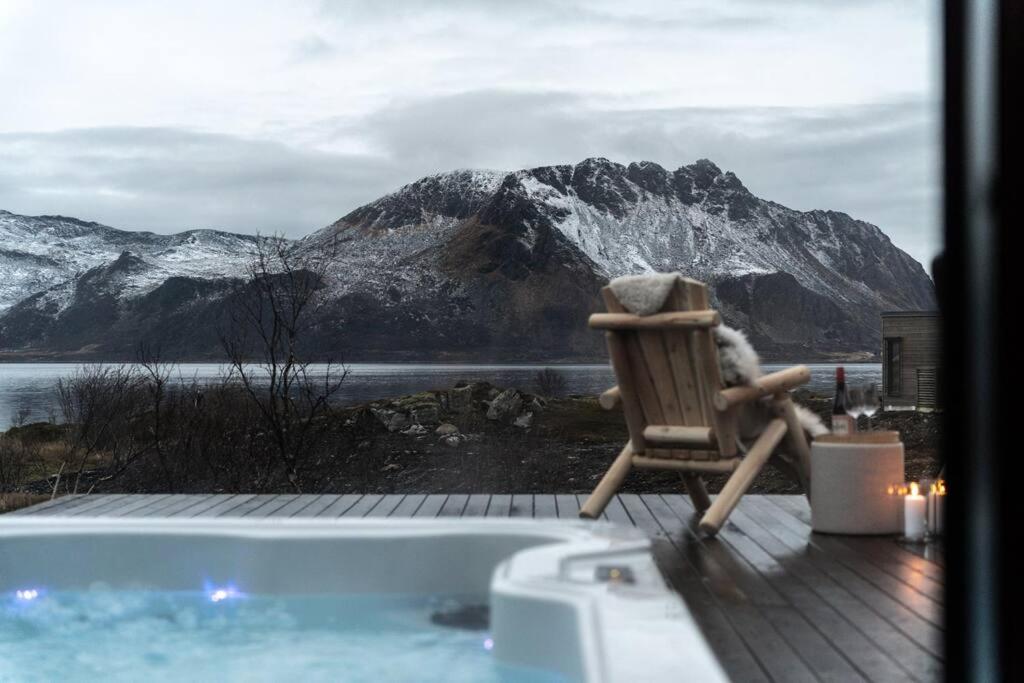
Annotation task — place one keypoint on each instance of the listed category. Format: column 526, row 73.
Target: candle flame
column 915, row 488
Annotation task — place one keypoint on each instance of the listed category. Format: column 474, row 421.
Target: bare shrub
column 551, row 383
column 269, row 315
column 261, row 425
column 18, row 460
column 100, row 405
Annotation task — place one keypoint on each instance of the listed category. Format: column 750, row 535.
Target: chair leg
column 796, row 440
column 743, row 477
column 698, row 494
column 609, row 484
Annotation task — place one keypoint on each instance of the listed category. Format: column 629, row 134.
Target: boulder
column 426, row 413
column 460, row 399
column 383, row 415
column 415, row 430
column 505, row 406
column 453, row 440
column 398, row 422
column 446, row 429
column 524, row 420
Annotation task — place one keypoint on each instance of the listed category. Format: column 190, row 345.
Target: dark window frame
column 894, row 366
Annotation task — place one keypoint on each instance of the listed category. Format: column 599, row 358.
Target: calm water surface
column 27, row 389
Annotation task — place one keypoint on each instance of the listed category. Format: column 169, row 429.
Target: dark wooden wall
column 920, row 335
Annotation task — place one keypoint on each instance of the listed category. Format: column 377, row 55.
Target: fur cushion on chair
column 740, row 365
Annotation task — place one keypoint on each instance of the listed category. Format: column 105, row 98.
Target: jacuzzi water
column 296, row 600
column 221, row 634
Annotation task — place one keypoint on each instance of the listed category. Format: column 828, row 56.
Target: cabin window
column 893, row 366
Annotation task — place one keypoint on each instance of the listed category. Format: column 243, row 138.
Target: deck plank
column 317, row 505
column 340, row 505
column 295, row 505
column 207, row 502
column 409, row 505
column 544, row 506
column 873, row 561
column 901, row 634
column 122, row 505
column 836, row 647
column 273, row 504
column 85, row 504
column 522, row 505
column 254, row 503
column 746, row 600
column 499, row 505
column 431, row 506
column 386, row 506
column 170, row 505
column 567, row 506
column 477, row 505
column 64, row 506
column 224, row 505
column 894, row 647
column 454, row 506
column 896, row 588
column 740, row 661
column 364, row 506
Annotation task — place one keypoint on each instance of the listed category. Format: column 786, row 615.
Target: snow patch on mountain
column 48, row 253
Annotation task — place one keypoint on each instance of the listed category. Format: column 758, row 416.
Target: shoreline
column 456, row 441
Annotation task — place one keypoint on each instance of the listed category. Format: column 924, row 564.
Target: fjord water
column 27, row 390
column 142, row 635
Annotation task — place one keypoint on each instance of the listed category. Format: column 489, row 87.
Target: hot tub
column 266, row 599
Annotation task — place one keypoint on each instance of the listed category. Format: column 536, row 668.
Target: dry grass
column 9, row 502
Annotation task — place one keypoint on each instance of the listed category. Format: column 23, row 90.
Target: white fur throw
column 643, row 294
column 741, row 366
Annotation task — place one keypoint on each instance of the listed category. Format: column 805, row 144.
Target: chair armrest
column 673, row 320
column 775, row 383
column 611, row 398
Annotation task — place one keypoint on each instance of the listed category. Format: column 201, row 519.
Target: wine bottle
column 841, row 422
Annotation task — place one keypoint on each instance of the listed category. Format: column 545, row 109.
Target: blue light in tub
column 26, row 594
column 222, row 593
column 488, row 644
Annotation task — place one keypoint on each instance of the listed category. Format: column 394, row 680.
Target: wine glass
column 872, row 402
column 854, row 403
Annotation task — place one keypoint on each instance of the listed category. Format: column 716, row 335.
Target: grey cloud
column 166, row 180
column 877, row 163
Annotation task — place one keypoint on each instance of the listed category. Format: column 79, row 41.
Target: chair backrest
column 669, row 375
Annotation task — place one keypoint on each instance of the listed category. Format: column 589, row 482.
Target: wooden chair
column 679, row 413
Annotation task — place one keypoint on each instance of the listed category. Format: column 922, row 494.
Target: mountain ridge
column 489, row 265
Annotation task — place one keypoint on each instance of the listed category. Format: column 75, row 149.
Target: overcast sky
column 283, row 116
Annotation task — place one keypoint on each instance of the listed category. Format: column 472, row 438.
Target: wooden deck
column 775, row 601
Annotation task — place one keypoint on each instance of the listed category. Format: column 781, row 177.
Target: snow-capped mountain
column 513, row 261
column 46, row 254
column 481, row 265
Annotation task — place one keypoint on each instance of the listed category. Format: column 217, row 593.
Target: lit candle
column 914, row 514
column 937, row 508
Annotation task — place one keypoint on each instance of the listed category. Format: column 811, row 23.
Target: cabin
column 910, row 360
